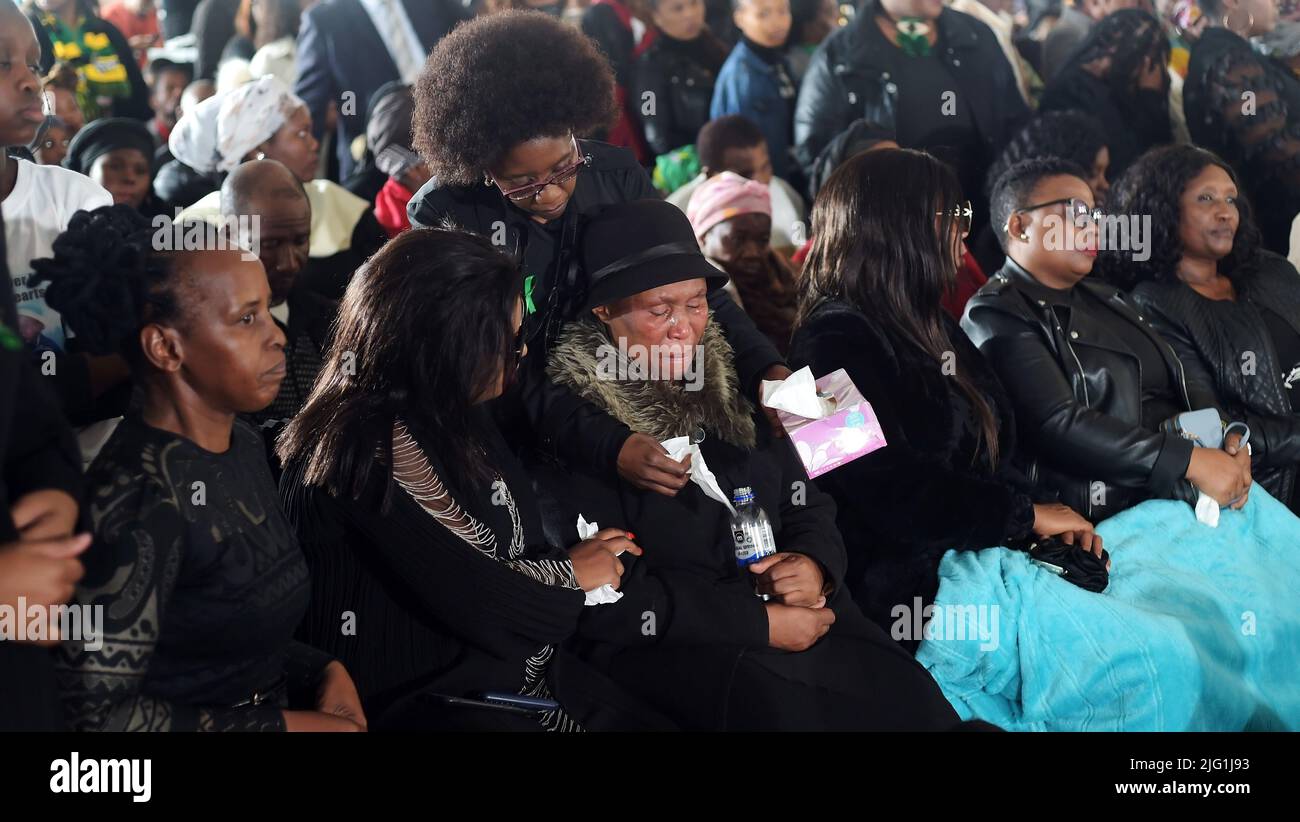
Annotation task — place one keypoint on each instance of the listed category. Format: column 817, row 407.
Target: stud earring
column 261, row 155
column 1024, row 238
column 487, row 180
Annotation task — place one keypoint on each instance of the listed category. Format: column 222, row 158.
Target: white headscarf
column 223, row 129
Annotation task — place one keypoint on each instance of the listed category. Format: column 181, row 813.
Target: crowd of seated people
column 404, row 365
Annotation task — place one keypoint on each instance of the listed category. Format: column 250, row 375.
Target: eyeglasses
column 1080, row 212
column 962, row 213
column 534, row 190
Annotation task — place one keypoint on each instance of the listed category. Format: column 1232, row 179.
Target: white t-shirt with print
column 35, row 213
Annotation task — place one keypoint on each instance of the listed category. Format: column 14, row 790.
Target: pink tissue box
column 851, row 431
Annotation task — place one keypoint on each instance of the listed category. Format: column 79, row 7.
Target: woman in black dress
column 1118, row 76
column 196, row 570
column 430, row 577
column 1229, row 309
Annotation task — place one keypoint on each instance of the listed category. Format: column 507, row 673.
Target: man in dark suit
column 352, row 47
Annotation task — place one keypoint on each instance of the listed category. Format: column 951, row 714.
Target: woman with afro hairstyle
column 499, row 112
column 182, row 505
column 1229, row 309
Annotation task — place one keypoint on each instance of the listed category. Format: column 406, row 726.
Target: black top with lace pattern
column 201, row 584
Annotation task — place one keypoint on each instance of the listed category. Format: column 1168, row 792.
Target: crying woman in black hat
column 117, row 153
column 776, row 645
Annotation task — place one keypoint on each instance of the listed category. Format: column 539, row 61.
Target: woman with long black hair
column 1118, row 77
column 888, row 227
column 417, row 520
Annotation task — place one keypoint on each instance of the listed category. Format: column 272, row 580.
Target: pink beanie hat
column 724, row 196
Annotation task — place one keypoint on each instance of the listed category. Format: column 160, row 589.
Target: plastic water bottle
column 750, row 529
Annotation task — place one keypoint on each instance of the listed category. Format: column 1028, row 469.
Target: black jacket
column 180, row 186
column 688, row 612
column 1078, row 396
column 567, row 426
column 1221, row 70
column 901, row 508
column 682, row 89
column 849, row 80
column 1211, row 345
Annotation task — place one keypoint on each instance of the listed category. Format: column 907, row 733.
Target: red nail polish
column 631, row 535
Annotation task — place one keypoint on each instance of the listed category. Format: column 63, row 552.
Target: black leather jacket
column 849, row 79
column 1214, row 346
column 1078, row 394
column 682, row 89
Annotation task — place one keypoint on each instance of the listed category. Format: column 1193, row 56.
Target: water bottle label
column 746, row 549
column 763, row 540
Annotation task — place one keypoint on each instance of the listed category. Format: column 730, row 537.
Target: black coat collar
column 1063, row 323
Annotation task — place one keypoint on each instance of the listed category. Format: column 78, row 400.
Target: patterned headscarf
column 222, row 130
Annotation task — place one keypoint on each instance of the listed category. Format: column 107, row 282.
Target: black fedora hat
column 632, row 247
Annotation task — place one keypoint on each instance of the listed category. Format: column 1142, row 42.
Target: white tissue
column 1207, row 510
column 605, row 594
column 678, row 448
column 797, row 394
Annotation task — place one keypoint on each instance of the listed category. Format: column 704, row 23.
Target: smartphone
column 531, row 703
column 465, row 702
column 395, row 161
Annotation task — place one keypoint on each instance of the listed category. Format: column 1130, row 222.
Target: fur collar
column 659, row 408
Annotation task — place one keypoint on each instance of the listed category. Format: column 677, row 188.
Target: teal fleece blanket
column 1199, row 628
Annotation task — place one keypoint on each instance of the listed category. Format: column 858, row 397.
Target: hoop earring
column 1250, row 24
column 487, row 180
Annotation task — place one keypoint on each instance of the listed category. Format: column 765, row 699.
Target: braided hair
column 107, row 280
column 1070, row 135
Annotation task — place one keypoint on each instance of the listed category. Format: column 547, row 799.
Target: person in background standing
column 138, row 22
column 275, row 35
column 918, row 73
column 675, row 76
column 812, row 21
column 757, row 80
column 1118, row 76
column 620, row 31
column 355, row 46
column 110, row 82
